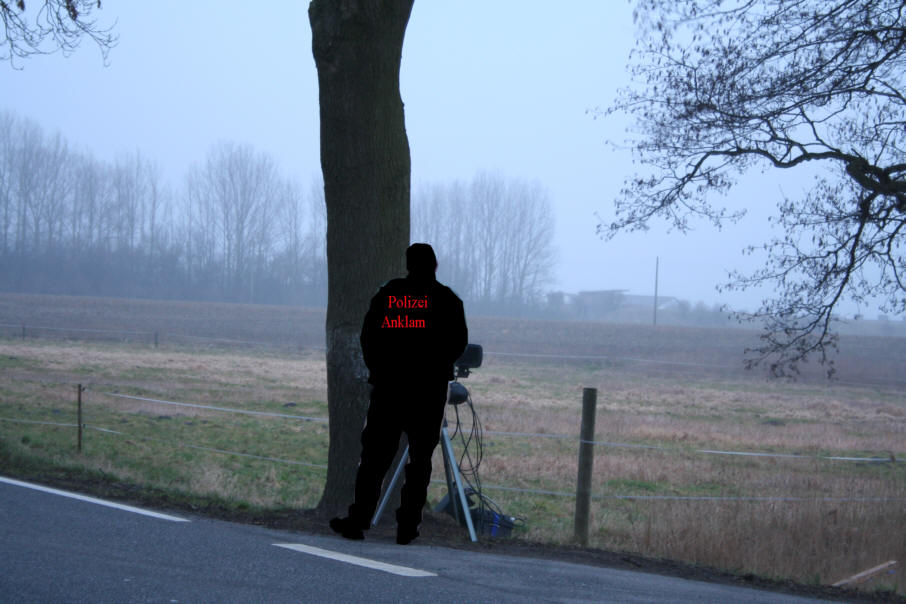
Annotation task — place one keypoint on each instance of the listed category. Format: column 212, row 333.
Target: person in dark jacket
column 414, row 331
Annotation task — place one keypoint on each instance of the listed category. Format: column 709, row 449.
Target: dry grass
column 826, row 536
column 812, row 540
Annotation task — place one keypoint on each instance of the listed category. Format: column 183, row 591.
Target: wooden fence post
column 586, row 461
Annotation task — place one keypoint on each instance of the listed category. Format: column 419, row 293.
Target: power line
column 209, row 407
column 610, row 444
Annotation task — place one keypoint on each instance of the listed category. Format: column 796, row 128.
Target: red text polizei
column 407, row 302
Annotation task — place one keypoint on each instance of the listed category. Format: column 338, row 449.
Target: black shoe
column 406, row 534
column 346, row 528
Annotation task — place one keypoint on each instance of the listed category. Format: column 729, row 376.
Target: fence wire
column 546, row 492
column 607, row 444
column 890, row 458
column 209, row 407
column 209, row 449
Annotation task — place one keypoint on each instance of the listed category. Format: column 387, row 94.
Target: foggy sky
column 508, row 86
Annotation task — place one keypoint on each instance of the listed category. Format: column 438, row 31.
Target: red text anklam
column 403, row 321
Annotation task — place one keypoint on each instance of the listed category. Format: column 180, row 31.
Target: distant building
column 663, row 302
column 604, row 303
column 598, row 304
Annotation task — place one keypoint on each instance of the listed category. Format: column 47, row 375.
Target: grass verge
column 234, row 465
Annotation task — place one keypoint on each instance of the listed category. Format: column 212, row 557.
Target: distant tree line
column 237, row 229
column 494, row 239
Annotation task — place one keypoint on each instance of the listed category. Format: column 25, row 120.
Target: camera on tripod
column 464, row 500
column 470, row 359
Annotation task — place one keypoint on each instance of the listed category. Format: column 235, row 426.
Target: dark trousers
column 417, row 411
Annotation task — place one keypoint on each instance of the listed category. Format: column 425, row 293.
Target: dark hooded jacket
column 414, row 331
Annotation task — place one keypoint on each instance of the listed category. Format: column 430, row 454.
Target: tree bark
column 357, row 47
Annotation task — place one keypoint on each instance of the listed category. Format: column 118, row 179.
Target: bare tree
column 55, row 25
column 486, row 198
column 494, row 239
column 198, row 233
column 7, row 163
column 530, row 258
column 301, row 261
column 53, row 193
column 130, row 184
column 432, row 214
column 89, row 189
column 27, row 176
column 232, row 201
column 315, row 248
column 291, row 228
column 441, row 217
column 724, row 87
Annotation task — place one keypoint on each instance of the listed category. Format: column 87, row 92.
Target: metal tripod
column 454, row 484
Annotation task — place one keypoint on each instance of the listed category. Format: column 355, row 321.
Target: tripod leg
column 450, row 498
column 390, row 487
column 452, row 469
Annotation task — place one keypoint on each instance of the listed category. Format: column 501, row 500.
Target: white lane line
column 403, row 571
column 109, row 504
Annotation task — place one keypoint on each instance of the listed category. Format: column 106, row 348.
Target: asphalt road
column 54, row 548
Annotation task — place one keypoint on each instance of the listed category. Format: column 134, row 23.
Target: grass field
column 669, row 393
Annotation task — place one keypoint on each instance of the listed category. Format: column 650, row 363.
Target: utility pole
column 656, row 266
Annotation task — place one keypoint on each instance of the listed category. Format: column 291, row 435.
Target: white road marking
column 403, row 571
column 109, row 504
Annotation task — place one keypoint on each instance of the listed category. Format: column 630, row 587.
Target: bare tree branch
column 57, row 25
column 720, row 87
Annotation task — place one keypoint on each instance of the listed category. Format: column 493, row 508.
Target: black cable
column 468, row 468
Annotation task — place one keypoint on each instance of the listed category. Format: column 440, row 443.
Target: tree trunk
column 357, row 46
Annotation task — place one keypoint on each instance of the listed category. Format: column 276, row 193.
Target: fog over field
column 688, row 352
column 505, row 92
